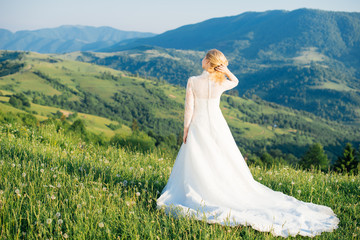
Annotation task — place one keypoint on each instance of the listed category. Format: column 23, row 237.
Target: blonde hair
column 216, row 58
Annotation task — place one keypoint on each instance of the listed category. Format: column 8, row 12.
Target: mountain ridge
column 65, row 38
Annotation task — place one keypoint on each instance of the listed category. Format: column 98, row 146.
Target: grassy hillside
column 53, row 83
column 53, row 185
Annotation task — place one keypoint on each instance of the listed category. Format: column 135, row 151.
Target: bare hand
column 185, row 136
column 223, row 69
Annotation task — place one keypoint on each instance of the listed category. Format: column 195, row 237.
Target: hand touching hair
column 216, row 62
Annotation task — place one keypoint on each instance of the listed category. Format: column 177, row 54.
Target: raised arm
column 189, row 107
column 233, row 80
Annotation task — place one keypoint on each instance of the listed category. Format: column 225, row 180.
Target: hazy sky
column 155, row 16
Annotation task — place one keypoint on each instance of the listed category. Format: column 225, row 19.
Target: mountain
column 254, row 34
column 53, row 83
column 305, row 59
column 65, row 38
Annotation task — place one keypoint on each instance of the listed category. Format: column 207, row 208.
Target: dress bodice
column 203, row 96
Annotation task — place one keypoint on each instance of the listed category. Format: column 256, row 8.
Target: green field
column 55, row 186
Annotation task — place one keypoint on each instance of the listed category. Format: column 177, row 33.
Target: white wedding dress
column 211, row 180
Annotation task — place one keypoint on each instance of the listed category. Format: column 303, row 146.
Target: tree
column 78, row 126
column 19, row 100
column 134, row 126
column 348, row 161
column 315, row 157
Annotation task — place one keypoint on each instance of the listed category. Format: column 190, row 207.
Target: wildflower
column 2, row 162
column 101, row 224
column 125, row 182
column 106, row 161
column 137, row 194
column 79, row 205
column 42, row 170
column 149, row 166
column 54, row 176
column 1, row 192
column 141, row 169
column 17, row 191
column 299, row 191
column 104, row 189
column 292, row 182
column 53, row 197
column 57, row 214
column 59, row 185
column 65, row 235
column 48, row 221
column 42, row 165
column 160, row 159
column 260, row 178
column 117, row 175
column 13, row 165
column 280, row 184
column 131, row 168
column 60, row 221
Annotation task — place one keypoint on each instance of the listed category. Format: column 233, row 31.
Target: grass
column 55, row 186
column 94, row 123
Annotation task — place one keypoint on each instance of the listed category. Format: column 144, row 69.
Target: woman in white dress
column 210, row 178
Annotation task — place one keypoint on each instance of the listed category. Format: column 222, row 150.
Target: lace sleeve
column 189, row 104
column 229, row 84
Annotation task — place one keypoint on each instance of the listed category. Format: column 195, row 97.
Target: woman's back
column 204, row 88
column 203, row 96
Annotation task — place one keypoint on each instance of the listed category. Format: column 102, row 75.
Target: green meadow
column 53, row 185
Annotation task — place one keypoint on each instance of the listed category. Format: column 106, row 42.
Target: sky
column 156, row 16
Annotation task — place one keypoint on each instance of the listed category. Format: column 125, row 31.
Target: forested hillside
column 305, row 59
column 157, row 107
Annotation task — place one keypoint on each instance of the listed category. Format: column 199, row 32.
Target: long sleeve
column 189, row 104
column 229, row 84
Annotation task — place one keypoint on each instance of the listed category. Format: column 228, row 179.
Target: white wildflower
column 101, row 224
column 48, row 221
column 125, row 182
column 137, row 194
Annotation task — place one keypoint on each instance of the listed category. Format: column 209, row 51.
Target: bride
column 210, row 179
